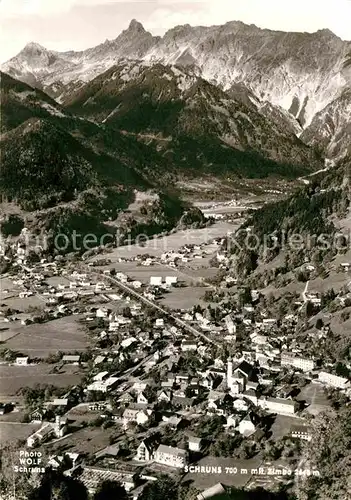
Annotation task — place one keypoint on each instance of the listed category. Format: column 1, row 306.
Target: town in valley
column 133, row 362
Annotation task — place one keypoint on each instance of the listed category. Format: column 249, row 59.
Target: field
column 314, row 395
column 9, row 296
column 6, row 333
column 15, row 416
column 39, row 340
column 135, row 271
column 58, row 280
column 24, row 304
column 282, row 425
column 8, row 288
column 157, row 246
column 10, row 433
column 13, row 378
column 192, row 274
column 82, row 413
column 88, row 440
column 184, row 298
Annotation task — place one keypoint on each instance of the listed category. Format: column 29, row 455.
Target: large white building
column 331, row 380
column 103, row 385
column 280, row 406
column 155, row 280
column 304, row 364
column 165, row 455
column 174, row 457
column 171, row 280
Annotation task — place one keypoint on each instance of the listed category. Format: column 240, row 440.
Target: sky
column 79, row 24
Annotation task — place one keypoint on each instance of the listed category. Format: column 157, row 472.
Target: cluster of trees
column 329, row 452
column 305, row 214
column 210, row 427
column 34, row 397
column 285, row 447
column 43, row 165
column 226, row 446
column 55, row 485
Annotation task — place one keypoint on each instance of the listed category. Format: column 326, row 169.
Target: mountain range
column 304, row 74
column 87, row 135
column 196, row 125
column 60, row 172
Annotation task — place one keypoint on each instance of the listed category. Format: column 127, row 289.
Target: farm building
column 155, row 280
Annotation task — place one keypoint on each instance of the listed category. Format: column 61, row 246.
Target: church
column 241, row 378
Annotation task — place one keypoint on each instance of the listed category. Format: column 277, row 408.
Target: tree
column 21, row 485
column 187, row 492
column 55, row 486
column 210, row 427
column 245, row 296
column 165, row 488
column 110, row 490
column 329, row 453
column 127, row 312
column 342, row 370
column 319, row 324
column 309, row 309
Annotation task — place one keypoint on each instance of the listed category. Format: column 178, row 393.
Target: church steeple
column 229, row 372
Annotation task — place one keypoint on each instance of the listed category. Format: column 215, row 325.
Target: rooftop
column 169, row 450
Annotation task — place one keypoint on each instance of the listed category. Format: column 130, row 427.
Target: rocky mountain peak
column 136, row 27
column 326, row 33
column 300, row 73
column 33, row 48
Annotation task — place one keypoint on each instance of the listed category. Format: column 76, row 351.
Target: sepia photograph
column 175, row 250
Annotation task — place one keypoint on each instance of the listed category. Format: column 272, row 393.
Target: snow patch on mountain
column 111, row 114
column 23, row 96
column 52, row 110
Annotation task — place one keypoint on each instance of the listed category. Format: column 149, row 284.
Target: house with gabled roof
column 142, row 398
column 146, row 449
column 71, row 359
column 240, row 405
column 246, row 426
column 238, row 377
column 22, row 360
column 183, row 402
column 174, row 421
column 216, row 492
column 194, row 443
column 164, row 395
column 36, row 416
column 59, row 402
column 126, row 398
column 99, row 359
column 135, row 415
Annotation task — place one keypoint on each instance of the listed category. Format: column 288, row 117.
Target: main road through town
column 130, row 291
